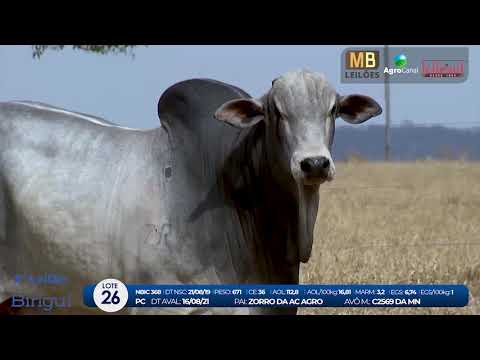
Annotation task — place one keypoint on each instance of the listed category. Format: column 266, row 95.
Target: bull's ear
column 356, row 109
column 241, row 113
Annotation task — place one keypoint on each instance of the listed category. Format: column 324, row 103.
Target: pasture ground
column 398, row 223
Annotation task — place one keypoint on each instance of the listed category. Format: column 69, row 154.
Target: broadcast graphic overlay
column 111, row 295
column 422, row 65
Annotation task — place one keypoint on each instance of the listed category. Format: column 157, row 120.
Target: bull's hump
column 191, row 99
column 40, row 108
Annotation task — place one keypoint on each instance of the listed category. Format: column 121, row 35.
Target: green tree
column 39, row 50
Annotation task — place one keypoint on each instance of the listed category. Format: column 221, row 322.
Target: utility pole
column 387, row 106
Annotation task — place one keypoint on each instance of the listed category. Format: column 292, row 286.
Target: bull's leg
column 5, row 283
column 7, row 309
column 4, row 298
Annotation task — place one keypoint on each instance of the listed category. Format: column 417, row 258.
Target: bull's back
column 47, row 155
column 70, row 191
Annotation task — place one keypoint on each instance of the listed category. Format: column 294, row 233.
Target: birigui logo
column 45, row 302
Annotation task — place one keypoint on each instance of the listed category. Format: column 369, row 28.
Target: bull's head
column 300, row 111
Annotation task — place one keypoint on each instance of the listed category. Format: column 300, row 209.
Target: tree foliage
column 39, row 50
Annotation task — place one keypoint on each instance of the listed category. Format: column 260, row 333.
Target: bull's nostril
column 315, row 166
column 325, row 163
column 306, row 165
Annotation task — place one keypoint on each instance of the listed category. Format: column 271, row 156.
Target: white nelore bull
column 225, row 191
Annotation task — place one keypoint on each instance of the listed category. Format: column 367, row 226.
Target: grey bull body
column 225, row 191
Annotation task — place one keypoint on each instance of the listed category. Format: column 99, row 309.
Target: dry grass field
column 399, row 223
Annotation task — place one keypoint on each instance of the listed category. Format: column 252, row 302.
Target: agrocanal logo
column 400, row 62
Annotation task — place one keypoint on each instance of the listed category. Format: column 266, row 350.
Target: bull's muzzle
column 316, row 170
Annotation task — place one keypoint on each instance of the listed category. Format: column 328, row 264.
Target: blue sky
column 125, row 90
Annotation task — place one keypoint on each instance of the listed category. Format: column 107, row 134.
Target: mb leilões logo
column 362, row 59
column 362, row 64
